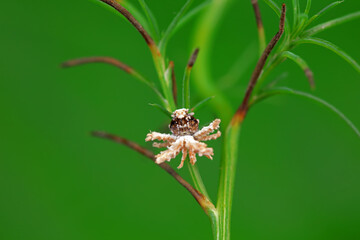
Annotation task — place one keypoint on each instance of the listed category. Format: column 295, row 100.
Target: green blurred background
column 298, row 172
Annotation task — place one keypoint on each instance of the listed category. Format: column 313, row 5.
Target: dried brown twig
column 242, row 110
column 113, row 62
column 200, row 198
column 131, row 19
column 108, row 60
column 193, row 58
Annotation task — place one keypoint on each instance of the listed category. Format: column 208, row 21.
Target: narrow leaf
column 284, row 90
column 324, row 10
column 151, row 19
column 331, row 47
column 201, row 104
column 332, row 23
column 169, row 31
column 302, row 64
column 161, row 108
column 303, row 18
column 296, row 13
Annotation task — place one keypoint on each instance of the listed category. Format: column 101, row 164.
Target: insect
column 186, row 138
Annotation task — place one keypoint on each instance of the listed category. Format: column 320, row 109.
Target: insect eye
column 172, row 123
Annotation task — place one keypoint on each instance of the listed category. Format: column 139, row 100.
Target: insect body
column 186, row 137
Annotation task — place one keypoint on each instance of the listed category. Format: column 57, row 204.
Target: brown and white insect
column 186, row 137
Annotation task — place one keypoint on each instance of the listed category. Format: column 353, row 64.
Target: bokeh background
column 298, row 172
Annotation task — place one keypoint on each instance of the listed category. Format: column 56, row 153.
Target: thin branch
column 116, row 63
column 260, row 26
column 242, row 110
column 173, row 79
column 158, row 59
column 108, row 60
column 200, row 198
column 131, row 19
column 125, row 142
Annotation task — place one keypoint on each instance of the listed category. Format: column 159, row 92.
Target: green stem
column 227, row 178
column 165, row 79
column 186, row 88
column 214, row 219
column 209, row 208
column 198, row 182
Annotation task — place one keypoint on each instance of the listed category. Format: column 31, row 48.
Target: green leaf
column 331, row 47
column 324, row 10
column 284, row 90
column 308, row 7
column 302, row 64
column 169, row 31
column 191, row 14
column 186, row 88
column 201, row 104
column 303, row 18
column 296, row 9
column 161, row 108
column 151, row 19
column 332, row 23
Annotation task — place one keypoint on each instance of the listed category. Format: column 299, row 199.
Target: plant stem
column 213, row 215
column 210, row 209
column 227, row 177
column 198, row 182
column 165, row 79
column 228, row 162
